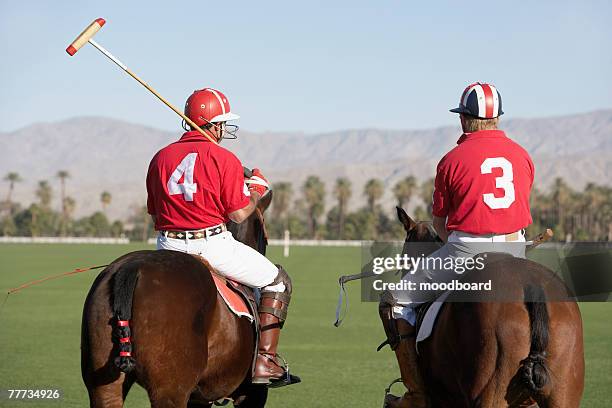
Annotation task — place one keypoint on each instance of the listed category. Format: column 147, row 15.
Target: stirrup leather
column 394, row 341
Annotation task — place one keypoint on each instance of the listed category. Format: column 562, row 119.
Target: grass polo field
column 40, row 330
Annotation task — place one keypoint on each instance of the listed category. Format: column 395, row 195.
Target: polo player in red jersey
column 194, row 187
column 481, row 196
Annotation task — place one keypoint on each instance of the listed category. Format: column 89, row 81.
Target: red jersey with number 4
column 482, row 186
column 194, row 184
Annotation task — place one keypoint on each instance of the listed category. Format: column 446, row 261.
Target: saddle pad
column 232, row 299
column 430, row 318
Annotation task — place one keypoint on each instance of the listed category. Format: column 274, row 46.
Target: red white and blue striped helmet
column 481, row 101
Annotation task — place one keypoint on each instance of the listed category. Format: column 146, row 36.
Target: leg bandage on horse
column 272, row 315
column 401, row 337
column 389, row 322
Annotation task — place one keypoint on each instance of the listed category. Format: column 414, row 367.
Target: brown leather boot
column 272, row 312
column 406, row 355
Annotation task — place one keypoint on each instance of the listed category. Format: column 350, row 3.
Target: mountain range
column 106, row 154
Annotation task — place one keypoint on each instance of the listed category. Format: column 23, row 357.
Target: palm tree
column 44, row 193
column 342, row 192
column 373, row 190
column 427, row 189
column 63, row 175
column 314, row 195
column 12, row 178
column 561, row 196
column 68, row 206
column 593, row 206
column 404, row 189
column 282, row 197
column 106, row 199
column 34, row 216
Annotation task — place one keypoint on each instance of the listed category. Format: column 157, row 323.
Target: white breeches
column 230, row 258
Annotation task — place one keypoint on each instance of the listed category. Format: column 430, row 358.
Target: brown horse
column 504, row 354
column 182, row 344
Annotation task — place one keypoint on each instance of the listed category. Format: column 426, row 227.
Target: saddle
column 420, row 311
column 241, row 300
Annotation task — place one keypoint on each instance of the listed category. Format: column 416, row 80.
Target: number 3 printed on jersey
column 187, row 188
column 504, row 182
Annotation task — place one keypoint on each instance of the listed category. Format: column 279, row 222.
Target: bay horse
column 184, row 346
column 503, row 354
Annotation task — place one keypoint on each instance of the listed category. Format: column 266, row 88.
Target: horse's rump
column 513, row 325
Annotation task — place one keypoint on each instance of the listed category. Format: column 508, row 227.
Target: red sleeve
column 233, row 190
column 441, row 200
column 151, row 173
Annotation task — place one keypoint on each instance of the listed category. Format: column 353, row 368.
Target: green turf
column 40, row 330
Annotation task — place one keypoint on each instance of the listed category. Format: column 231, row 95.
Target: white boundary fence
column 317, row 242
column 62, row 240
column 285, row 243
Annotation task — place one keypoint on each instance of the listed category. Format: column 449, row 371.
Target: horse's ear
column 408, row 223
column 265, row 201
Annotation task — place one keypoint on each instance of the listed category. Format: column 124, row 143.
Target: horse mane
column 241, row 232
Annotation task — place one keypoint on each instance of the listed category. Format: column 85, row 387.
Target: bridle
column 260, row 216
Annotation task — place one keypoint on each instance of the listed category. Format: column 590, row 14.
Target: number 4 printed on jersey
column 187, row 188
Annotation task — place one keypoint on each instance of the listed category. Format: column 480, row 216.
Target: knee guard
column 385, row 310
column 277, row 303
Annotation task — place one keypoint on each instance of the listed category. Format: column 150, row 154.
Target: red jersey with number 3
column 482, row 186
column 194, row 184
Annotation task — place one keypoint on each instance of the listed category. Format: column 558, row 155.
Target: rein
column 260, row 215
column 343, row 296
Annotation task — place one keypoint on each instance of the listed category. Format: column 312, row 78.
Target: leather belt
column 199, row 234
column 515, row 236
column 512, row 237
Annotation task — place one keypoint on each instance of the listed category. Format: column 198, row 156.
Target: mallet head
column 89, row 32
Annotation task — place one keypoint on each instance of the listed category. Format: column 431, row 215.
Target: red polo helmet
column 208, row 106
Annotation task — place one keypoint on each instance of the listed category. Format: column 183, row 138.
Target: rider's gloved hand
column 258, row 183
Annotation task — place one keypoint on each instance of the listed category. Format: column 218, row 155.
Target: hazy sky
column 310, row 66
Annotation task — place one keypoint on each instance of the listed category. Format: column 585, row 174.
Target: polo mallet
column 87, row 37
column 539, row 239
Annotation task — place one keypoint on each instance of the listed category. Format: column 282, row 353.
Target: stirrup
column 388, row 391
column 286, row 379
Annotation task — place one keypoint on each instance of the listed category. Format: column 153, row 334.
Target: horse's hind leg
column 566, row 358
column 255, row 397
column 107, row 395
column 567, row 386
column 492, row 396
column 170, row 399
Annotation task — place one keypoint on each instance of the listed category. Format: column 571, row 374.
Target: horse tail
column 534, row 370
column 124, row 283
